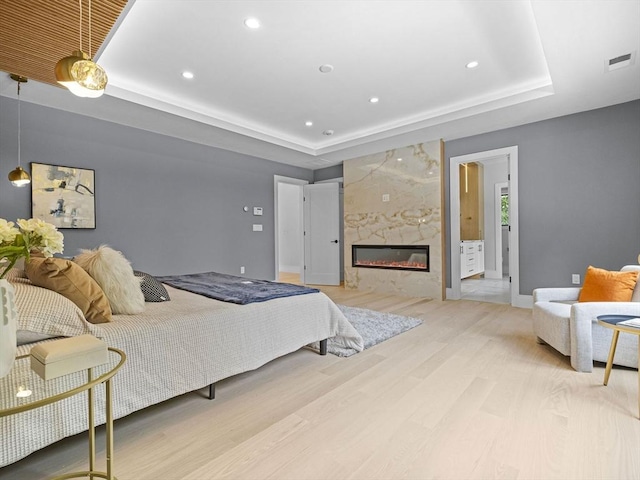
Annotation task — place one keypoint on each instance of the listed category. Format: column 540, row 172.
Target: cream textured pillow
column 68, row 279
column 45, row 314
column 115, row 275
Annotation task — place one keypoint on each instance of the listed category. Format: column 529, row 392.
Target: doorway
column 289, row 229
column 491, row 285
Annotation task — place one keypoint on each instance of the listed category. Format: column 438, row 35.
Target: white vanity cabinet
column 471, row 258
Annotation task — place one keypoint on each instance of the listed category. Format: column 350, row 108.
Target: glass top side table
column 613, row 322
column 23, row 389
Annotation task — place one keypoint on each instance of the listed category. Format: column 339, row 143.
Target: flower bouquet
column 29, row 237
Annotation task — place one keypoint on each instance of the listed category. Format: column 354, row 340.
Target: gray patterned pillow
column 152, row 289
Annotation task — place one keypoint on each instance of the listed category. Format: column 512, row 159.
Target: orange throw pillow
column 605, row 286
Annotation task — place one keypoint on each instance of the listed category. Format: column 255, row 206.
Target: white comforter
column 176, row 347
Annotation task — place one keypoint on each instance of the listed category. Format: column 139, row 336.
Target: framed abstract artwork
column 63, row 196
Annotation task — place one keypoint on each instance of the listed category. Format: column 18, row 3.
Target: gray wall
column 173, row 206
column 169, row 205
column 327, row 173
column 579, row 182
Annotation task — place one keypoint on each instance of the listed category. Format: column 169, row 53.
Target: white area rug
column 375, row 327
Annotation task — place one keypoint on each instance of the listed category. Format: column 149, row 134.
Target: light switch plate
column 257, row 210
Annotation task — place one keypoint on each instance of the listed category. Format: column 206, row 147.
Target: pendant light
column 78, row 72
column 18, row 176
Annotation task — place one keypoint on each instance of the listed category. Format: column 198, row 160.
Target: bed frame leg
column 212, row 391
column 323, row 347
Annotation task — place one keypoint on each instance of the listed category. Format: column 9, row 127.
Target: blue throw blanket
column 230, row 288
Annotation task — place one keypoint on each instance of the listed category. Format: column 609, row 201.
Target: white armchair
column 572, row 328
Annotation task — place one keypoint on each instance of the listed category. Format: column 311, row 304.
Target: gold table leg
column 612, row 352
column 92, row 473
column 109, row 431
column 92, row 429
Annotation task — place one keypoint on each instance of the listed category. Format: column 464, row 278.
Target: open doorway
column 291, row 264
column 482, row 219
column 289, row 229
column 487, row 282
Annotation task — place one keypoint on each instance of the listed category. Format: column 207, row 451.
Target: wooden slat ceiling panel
column 35, row 34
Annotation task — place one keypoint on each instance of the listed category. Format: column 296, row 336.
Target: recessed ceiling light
column 326, row 68
column 308, row 123
column 188, row 75
column 472, row 64
column 374, row 100
column 252, row 23
column 399, row 159
column 328, row 132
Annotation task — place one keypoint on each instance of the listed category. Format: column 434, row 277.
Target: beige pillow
column 70, row 280
column 114, row 274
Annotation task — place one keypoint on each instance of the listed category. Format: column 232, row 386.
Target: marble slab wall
column 395, row 198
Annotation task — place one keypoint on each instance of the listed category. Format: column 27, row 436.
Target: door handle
column 334, row 241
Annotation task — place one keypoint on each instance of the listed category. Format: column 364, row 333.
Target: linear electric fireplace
column 396, row 257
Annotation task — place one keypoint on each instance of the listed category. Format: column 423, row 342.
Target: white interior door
column 321, row 234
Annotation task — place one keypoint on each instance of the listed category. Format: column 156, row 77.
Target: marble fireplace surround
column 395, row 198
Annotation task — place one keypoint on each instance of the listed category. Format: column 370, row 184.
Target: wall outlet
column 575, row 279
column 257, row 227
column 241, row 269
column 385, row 197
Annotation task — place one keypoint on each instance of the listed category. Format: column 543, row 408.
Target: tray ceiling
column 254, row 90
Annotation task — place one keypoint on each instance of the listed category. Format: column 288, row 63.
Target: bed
column 172, row 348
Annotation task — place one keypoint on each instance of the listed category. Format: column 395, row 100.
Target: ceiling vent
column 620, row 62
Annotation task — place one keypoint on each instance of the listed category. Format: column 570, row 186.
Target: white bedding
column 176, row 347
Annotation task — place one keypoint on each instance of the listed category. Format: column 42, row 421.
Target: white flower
column 41, row 236
column 33, row 235
column 7, row 232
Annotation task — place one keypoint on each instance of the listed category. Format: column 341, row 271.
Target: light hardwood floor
column 466, row 395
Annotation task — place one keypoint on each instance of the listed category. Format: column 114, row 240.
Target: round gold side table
column 30, row 392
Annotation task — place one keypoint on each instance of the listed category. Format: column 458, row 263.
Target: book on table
column 632, row 322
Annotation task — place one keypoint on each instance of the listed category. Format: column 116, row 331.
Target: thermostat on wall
column 257, row 210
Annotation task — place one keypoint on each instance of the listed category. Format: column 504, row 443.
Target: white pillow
column 114, row 274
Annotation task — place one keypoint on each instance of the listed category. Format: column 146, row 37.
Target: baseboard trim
column 524, row 301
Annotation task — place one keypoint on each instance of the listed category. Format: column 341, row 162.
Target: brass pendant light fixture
column 78, row 72
column 18, row 176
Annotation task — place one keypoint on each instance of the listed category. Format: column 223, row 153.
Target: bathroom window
column 504, row 209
